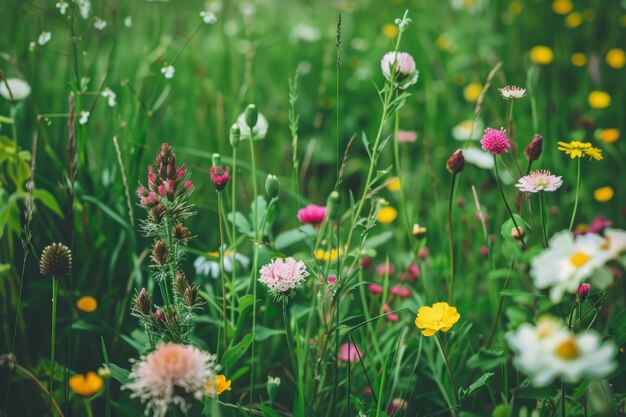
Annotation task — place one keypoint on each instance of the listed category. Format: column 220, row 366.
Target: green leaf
column 263, row 333
column 378, row 240
column 118, row 373
column 617, row 328
column 503, row 410
column 366, row 144
column 244, row 302
column 267, row 411
column 533, row 393
column 107, row 210
column 294, row 236
column 233, row 354
column 478, row 384
column 48, row 200
column 487, row 359
column 243, row 225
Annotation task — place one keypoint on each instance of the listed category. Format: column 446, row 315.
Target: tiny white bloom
column 32, row 46
column 84, row 117
column 99, row 24
column 62, row 6
column 208, row 17
column 110, row 95
column 512, row 92
column 44, row 38
column 19, row 89
column 260, row 130
column 128, row 21
column 168, row 71
column 85, row 8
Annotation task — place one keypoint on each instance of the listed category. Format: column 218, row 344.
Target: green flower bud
column 272, row 387
column 251, row 115
column 272, row 185
column 216, row 160
column 332, row 204
column 234, row 135
column 104, row 373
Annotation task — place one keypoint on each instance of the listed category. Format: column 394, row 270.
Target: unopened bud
column 181, row 233
column 235, row 133
column 533, row 149
column 456, row 162
column 582, row 291
column 180, row 283
column 251, row 115
column 105, row 373
column 272, row 185
column 216, row 159
column 518, row 233
column 143, row 302
column 272, row 387
column 332, row 204
column 160, row 253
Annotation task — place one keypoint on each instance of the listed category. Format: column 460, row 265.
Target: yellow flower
column 576, row 149
column 387, row 215
column 444, row 42
column 609, row 135
column 323, row 255
column 440, row 316
column 603, row 194
column 579, row 59
column 472, row 92
column 541, row 55
column 599, row 99
column 562, row 6
column 86, row 385
column 573, row 20
column 622, row 20
column 87, row 304
column 616, row 58
column 394, row 184
column 390, row 30
column 516, row 7
column 222, row 385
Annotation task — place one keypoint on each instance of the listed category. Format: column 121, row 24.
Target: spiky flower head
column 181, row 233
column 495, row 141
column 143, row 303
column 160, row 253
column 282, row 277
column 219, row 177
column 56, row 260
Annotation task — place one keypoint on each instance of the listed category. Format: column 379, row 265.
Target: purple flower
column 495, row 141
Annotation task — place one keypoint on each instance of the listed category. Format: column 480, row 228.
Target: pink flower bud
column 384, row 269
column 423, row 254
column 375, row 289
column 152, row 197
column 400, row 291
column 414, row 272
column 366, row 262
column 162, row 190
column 331, row 279
column 188, row 185
column 582, row 291
column 484, row 252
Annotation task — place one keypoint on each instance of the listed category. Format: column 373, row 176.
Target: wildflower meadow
column 367, row 208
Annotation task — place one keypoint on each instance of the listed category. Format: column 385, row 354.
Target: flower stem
column 233, row 229
column 55, row 290
column 454, row 386
column 495, row 165
column 451, row 240
column 255, row 258
column 291, row 354
column 571, row 223
column 222, row 247
column 543, row 219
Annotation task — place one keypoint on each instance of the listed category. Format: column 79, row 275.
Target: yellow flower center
column 579, row 259
column 568, row 350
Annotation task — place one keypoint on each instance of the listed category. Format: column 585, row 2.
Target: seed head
column 56, row 260
column 160, row 253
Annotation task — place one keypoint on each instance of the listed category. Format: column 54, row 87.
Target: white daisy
column 44, row 38
column 207, row 267
column 614, row 242
column 567, row 262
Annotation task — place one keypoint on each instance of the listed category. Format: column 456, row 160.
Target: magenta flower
column 312, row 214
column 539, row 181
column 393, row 317
column 283, row 277
column 414, row 272
column 423, row 254
column 397, row 405
column 597, row 226
column 349, row 353
column 582, row 291
column 375, row 289
column 366, row 262
column 384, row 269
column 219, row 177
column 400, row 291
column 495, row 141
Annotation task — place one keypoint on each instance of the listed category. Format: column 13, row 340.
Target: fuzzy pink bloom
column 484, row 251
column 406, row 136
column 414, row 272
column 283, row 276
column 401, row 291
column 495, row 141
column 423, row 254
column 397, row 404
column 597, row 226
column 312, row 214
column 537, row 181
column 375, row 289
column 384, row 269
column 349, row 353
column 366, row 262
column 169, row 376
column 331, row 279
